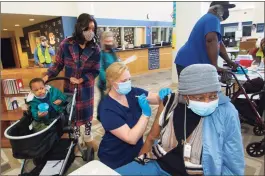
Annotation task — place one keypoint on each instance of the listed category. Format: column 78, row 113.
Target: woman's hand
column 80, row 81
column 164, row 92
column 45, row 78
column 142, row 100
column 74, row 80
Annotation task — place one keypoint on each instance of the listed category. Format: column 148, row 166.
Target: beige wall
column 140, row 33
column 23, row 57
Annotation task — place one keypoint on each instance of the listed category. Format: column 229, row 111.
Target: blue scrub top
column 113, row 151
column 194, row 51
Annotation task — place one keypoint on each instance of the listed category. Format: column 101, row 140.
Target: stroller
column 47, row 145
column 250, row 108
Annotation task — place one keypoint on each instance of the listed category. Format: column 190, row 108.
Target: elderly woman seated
column 196, row 132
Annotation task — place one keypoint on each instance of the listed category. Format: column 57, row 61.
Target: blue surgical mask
column 203, row 109
column 124, row 88
column 42, row 97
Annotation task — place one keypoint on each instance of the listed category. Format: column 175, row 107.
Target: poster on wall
column 153, row 58
column 116, row 34
column 129, row 35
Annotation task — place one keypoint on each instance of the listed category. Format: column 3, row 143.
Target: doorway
column 34, row 40
column 7, row 56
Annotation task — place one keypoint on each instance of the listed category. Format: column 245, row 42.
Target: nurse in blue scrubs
column 124, row 114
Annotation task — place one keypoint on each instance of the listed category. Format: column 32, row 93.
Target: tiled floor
column 150, row 82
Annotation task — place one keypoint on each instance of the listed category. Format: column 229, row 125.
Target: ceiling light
column 5, row 29
column 16, row 24
column 31, row 19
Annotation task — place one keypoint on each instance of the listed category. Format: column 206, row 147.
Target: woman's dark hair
column 34, row 81
column 82, row 22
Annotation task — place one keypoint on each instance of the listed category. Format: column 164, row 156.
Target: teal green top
column 54, row 94
column 106, row 59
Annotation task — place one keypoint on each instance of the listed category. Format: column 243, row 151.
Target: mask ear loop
column 115, row 88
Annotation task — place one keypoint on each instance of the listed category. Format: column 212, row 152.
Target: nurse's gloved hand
column 147, row 111
column 164, row 92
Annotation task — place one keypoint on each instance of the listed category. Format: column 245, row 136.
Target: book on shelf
column 25, row 90
column 12, row 86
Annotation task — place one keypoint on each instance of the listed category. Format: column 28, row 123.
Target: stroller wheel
column 258, row 131
column 255, row 149
column 88, row 154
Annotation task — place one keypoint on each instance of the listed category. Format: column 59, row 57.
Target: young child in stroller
column 41, row 94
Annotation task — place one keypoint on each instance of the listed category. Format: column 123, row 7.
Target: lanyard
column 185, row 132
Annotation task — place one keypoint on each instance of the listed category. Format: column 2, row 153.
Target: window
column 230, row 29
column 247, row 31
column 117, row 34
column 129, row 35
column 170, row 35
column 100, row 30
column 155, row 33
column 164, row 34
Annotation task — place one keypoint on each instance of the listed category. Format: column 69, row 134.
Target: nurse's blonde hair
column 113, row 72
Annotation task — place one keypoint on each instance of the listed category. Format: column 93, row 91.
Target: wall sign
column 153, row 58
column 260, row 28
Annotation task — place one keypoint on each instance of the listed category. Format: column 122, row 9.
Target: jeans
column 134, row 168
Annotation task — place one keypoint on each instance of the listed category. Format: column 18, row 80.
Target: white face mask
column 88, row 35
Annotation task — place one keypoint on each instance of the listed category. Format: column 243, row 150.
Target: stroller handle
column 57, row 78
column 74, row 96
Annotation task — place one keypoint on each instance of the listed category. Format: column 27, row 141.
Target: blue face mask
column 43, row 96
column 203, row 109
column 124, row 88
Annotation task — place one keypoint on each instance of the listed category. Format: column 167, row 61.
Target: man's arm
column 51, row 51
column 36, row 58
column 212, row 48
column 224, row 55
column 154, row 132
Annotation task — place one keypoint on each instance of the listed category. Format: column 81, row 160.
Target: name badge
column 187, row 150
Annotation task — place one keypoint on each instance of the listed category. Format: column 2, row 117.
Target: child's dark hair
column 34, row 81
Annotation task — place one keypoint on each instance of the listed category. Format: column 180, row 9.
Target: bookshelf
column 8, row 116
